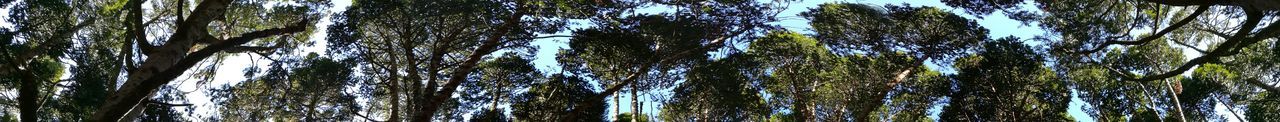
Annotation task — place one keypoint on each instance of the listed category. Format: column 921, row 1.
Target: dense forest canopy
column 695, row 60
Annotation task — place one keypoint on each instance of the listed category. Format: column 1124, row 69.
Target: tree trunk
column 635, row 107
column 27, row 97
column 415, row 78
column 617, row 108
column 395, row 101
column 1177, row 103
column 879, row 97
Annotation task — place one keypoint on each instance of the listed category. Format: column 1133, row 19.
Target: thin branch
column 29, row 55
column 241, row 49
column 1230, row 107
column 543, row 37
column 168, row 104
column 1219, row 34
column 1191, row 47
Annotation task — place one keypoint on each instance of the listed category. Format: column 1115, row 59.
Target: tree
column 907, row 35
column 1006, row 81
column 503, row 75
column 499, row 80
column 1108, row 28
column 394, row 37
column 718, row 90
column 796, row 60
column 42, row 32
column 315, row 89
column 707, row 27
column 548, row 100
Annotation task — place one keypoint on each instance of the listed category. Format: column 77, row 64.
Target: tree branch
column 1190, row 46
column 1224, row 49
column 1199, row 10
column 26, row 57
column 167, row 104
column 1219, row 34
column 1264, row 86
column 241, row 49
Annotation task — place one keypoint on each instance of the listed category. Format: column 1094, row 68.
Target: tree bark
column 1177, row 103
column 27, row 97
column 635, row 107
column 395, row 100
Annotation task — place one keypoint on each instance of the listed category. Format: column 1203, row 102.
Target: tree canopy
column 675, row 60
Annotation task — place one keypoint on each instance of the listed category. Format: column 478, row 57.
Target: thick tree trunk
column 27, row 97
column 801, row 108
column 415, row 78
column 393, row 86
column 135, row 89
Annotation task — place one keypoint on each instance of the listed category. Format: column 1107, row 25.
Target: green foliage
column 716, row 91
column 495, row 115
column 386, row 58
column 548, row 100
column 626, row 117
column 1264, row 107
column 1006, row 82
column 795, row 60
column 315, row 89
column 921, row 32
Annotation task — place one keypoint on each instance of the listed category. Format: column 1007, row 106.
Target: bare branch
column 168, row 104
column 1191, row 47
column 1219, row 34
column 241, row 49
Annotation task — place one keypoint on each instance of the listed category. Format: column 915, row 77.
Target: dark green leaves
column 922, row 32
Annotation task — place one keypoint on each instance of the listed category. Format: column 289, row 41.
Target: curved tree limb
column 1199, row 11
column 1224, row 49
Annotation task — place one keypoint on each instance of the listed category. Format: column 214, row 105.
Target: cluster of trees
column 719, row 60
